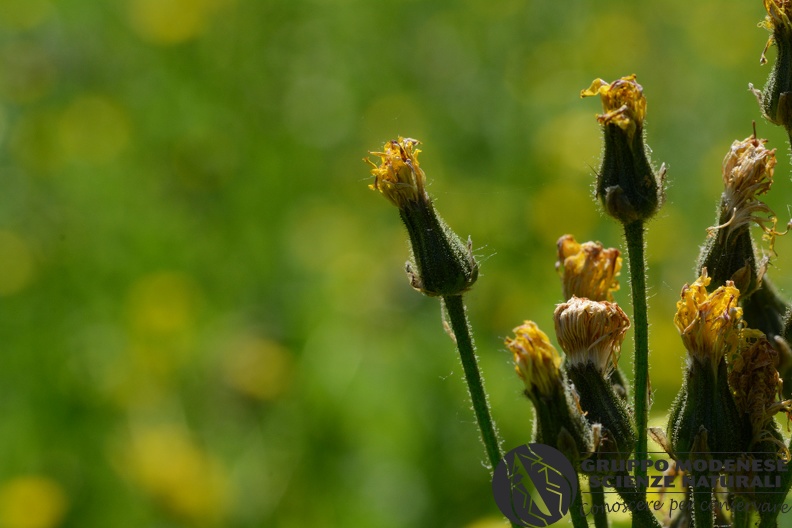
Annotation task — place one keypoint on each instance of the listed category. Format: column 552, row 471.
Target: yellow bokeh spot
column 17, row 262
column 93, row 130
column 32, row 502
column 570, row 144
column 561, row 208
column 188, row 482
column 610, row 32
column 171, row 21
column 488, row 522
column 730, row 41
column 258, row 368
column 163, row 304
column 24, row 14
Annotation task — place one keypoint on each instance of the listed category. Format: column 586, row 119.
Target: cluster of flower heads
column 590, row 330
column 735, row 327
column 724, row 353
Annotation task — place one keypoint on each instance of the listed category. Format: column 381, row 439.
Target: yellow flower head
column 591, row 332
column 709, row 323
column 622, row 101
column 399, row 177
column 588, row 270
column 777, row 20
column 535, row 359
column 747, row 173
column 778, row 12
column 757, row 386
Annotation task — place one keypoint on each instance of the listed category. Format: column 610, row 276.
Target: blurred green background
column 203, row 312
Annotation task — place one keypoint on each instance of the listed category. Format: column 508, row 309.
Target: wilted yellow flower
column 588, row 270
column 709, row 323
column 591, row 332
column 775, row 99
column 757, row 386
column 778, row 12
column 535, row 359
column 399, row 177
column 622, row 101
column 747, row 173
column 777, row 19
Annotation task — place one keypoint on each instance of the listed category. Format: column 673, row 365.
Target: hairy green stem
column 455, row 309
column 634, row 233
column 741, row 514
column 576, row 511
column 769, row 519
column 702, row 506
column 642, row 516
column 598, row 506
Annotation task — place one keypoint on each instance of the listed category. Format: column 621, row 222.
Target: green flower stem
column 702, row 508
column 576, row 511
column 598, row 506
column 634, row 233
column 642, row 516
column 455, row 309
column 769, row 522
column 770, row 519
column 741, row 514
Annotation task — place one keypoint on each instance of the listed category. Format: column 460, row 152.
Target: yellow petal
column 535, row 359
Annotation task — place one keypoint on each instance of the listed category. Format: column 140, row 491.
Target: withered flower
column 588, row 270
column 591, row 332
column 709, row 323
column 775, row 97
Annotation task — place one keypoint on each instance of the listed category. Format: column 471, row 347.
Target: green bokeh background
column 203, row 314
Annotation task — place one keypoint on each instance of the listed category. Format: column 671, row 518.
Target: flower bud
column 588, row 270
column 560, row 420
column 627, row 185
column 442, row 265
column 775, row 97
column 704, row 410
column 729, row 253
column 591, row 334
